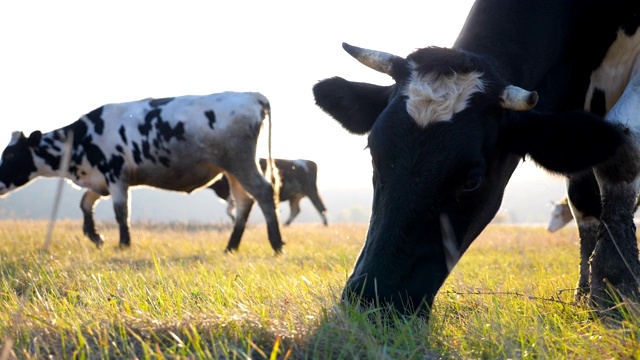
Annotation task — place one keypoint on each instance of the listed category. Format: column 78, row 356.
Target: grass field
column 175, row 294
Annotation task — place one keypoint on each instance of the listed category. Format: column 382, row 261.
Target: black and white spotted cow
column 180, row 144
column 297, row 181
column 449, row 130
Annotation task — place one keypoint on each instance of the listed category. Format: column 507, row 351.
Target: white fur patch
column 619, row 77
column 615, row 72
column 435, row 97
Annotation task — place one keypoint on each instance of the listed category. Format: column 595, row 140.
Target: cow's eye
column 471, row 184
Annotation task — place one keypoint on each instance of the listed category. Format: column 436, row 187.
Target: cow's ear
column 34, row 138
column 354, row 105
column 564, row 142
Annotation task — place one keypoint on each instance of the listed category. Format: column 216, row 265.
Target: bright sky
column 61, row 59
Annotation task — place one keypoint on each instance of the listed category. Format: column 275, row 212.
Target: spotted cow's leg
column 87, row 205
column 614, row 263
column 294, row 206
column 588, row 232
column 252, row 180
column 615, row 267
column 121, row 205
column 584, row 200
column 244, row 203
column 264, row 196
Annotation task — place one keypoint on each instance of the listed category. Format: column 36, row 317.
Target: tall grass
column 175, row 294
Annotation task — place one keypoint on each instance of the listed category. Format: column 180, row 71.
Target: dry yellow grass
column 175, row 293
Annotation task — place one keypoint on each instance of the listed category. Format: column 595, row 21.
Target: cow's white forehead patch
column 435, row 97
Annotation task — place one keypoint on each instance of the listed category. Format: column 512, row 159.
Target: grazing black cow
column 179, row 144
column 447, row 135
column 297, row 180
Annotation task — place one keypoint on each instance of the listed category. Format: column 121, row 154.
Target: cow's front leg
column 249, row 180
column 87, row 205
column 588, row 232
column 120, row 196
column 614, row 263
column 584, row 201
column 268, row 207
column 615, row 259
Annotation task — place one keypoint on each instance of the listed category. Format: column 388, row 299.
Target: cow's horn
column 518, row 99
column 377, row 60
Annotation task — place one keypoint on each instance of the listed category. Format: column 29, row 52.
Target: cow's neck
column 48, row 156
column 523, row 53
column 541, row 52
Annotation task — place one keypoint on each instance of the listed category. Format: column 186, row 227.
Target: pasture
column 175, row 294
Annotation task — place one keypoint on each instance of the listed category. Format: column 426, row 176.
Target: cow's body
column 178, row 144
column 446, row 137
column 297, row 180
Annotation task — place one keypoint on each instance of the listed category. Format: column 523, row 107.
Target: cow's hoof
column 230, row 250
column 97, row 239
column 122, row 246
column 614, row 301
column 279, row 250
column 581, row 296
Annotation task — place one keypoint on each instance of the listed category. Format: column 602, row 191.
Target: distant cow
column 560, row 215
column 297, row 180
column 179, row 144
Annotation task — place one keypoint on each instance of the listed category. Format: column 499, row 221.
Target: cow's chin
column 397, row 303
column 408, row 292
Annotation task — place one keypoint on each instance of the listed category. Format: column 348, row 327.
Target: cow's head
column 444, row 140
column 17, row 166
column 560, row 215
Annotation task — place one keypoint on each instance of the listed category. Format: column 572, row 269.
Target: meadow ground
column 175, row 294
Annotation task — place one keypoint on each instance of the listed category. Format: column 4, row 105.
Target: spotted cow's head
column 17, row 166
column 444, row 140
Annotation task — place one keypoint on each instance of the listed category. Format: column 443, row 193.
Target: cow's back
column 178, row 143
column 195, row 118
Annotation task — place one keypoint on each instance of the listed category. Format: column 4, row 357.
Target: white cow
column 560, row 215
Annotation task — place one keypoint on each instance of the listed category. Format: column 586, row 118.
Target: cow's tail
column 271, row 171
